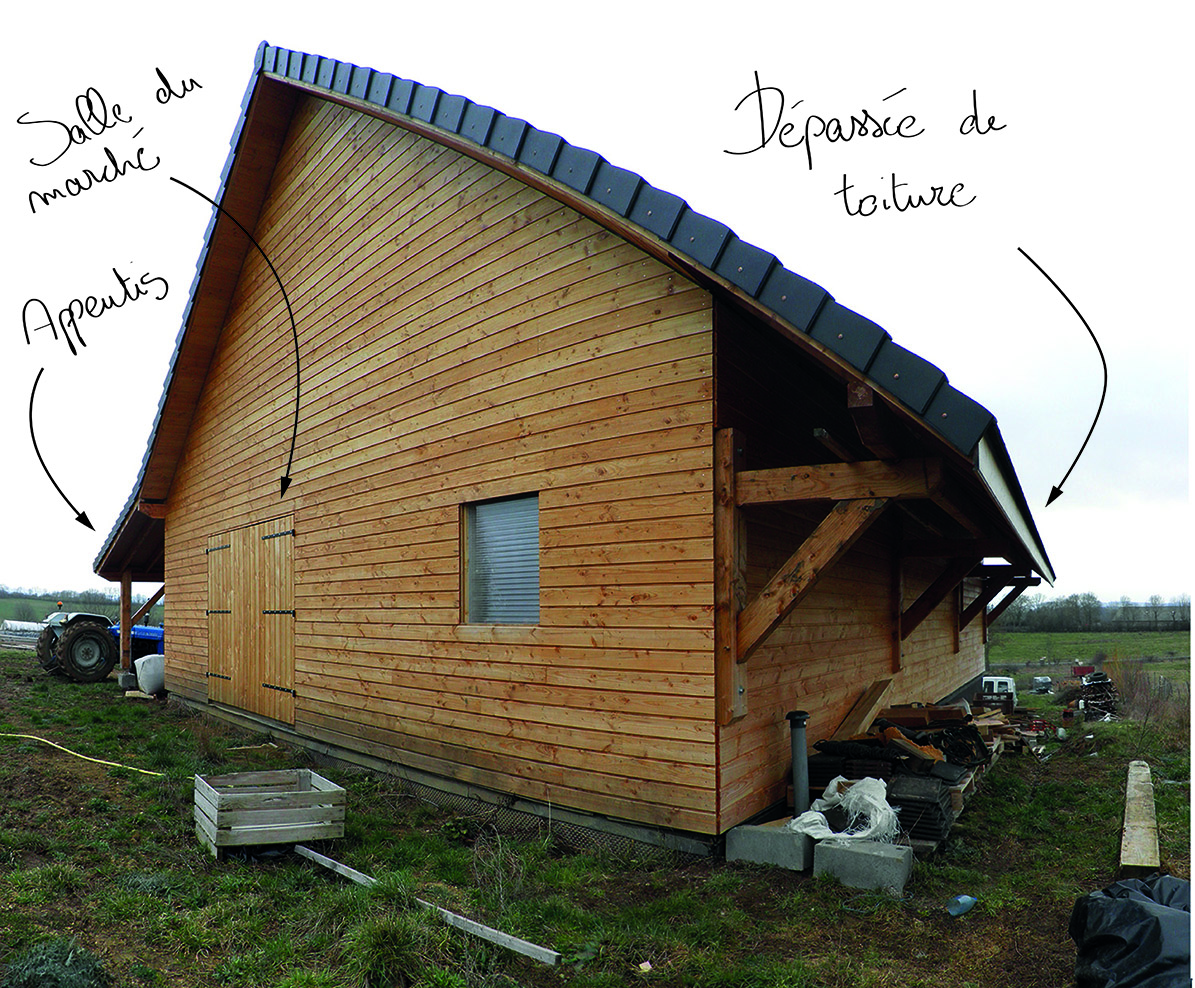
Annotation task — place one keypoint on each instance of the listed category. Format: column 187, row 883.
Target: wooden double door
column 251, row 619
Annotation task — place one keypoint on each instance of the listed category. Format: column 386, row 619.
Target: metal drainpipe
column 797, row 720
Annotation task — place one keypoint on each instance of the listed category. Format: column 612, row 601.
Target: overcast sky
column 1083, row 163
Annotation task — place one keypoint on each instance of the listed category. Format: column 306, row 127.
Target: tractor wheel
column 87, row 651
column 47, row 646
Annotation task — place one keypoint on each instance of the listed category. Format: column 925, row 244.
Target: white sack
column 869, row 817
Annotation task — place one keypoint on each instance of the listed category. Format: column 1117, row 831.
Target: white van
column 999, row 684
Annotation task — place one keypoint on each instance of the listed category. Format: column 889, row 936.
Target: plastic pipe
column 797, row 720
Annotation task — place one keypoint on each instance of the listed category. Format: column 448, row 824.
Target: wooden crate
column 280, row 807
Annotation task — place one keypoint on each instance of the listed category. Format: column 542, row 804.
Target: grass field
column 1019, row 648
column 108, row 855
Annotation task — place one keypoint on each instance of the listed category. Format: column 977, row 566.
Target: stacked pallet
column 924, row 805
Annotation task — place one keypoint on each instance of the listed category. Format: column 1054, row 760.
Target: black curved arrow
column 285, row 479
column 80, row 516
column 1056, row 491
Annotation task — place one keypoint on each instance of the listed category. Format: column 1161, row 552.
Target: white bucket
column 151, row 673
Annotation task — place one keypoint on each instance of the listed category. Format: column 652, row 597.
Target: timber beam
column 152, row 509
column 828, row 543
column 935, row 593
column 870, row 417
column 840, row 482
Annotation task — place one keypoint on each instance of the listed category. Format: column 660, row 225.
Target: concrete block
column 865, row 864
column 771, row 844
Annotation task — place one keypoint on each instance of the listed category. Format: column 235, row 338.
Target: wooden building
column 510, row 469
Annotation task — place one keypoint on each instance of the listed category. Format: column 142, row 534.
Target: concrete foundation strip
column 524, row 947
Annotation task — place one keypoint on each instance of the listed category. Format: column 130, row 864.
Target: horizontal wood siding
column 827, row 652
column 464, row 337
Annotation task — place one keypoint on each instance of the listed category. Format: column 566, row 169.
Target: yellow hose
column 86, row 758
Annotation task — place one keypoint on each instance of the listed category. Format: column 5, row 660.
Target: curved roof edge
column 754, row 275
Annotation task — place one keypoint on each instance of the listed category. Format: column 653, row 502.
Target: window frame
column 510, row 613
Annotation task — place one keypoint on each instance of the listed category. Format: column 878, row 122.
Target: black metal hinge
column 218, row 612
column 216, row 548
column 216, row 675
column 280, row 689
column 291, row 613
column 278, row 535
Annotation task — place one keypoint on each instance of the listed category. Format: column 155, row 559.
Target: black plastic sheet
column 1134, row 934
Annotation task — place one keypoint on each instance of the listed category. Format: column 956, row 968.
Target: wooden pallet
column 280, row 807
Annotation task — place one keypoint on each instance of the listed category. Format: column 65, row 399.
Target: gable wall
column 464, row 337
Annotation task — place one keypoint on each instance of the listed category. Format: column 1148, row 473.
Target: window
column 501, row 561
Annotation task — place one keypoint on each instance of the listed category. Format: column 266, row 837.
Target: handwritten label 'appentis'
column 36, row 315
column 789, row 126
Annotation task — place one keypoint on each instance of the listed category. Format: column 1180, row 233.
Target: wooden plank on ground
column 524, row 947
column 863, row 712
column 1139, row 853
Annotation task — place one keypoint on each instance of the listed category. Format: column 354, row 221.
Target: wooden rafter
column 840, row 482
column 948, row 548
column 838, row 531
column 870, row 418
column 935, row 593
column 152, row 509
column 1018, row 588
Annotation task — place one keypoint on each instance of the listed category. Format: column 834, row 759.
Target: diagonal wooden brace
column 838, row 531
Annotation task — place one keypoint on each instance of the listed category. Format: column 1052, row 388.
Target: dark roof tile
column 959, row 419
column 576, row 167
column 477, row 122
column 912, row 379
column 449, row 111
column 745, row 265
column 848, row 334
column 506, row 136
column 540, row 150
column 615, row 188
column 795, row 299
column 657, row 211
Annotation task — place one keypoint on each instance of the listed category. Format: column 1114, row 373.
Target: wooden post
column 729, row 676
column 126, row 621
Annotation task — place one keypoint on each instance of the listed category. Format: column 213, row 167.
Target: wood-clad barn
column 582, row 493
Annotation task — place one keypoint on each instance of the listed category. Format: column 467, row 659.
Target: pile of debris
column 929, row 757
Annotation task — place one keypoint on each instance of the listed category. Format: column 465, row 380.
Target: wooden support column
column 898, row 596
column 729, row 582
column 838, row 531
column 935, row 593
column 126, row 621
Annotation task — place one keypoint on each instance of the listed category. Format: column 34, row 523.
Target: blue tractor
column 85, row 647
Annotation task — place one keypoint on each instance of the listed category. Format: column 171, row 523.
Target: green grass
column 112, row 853
column 1019, row 648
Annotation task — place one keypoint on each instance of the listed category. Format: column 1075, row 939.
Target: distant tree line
column 1086, row 612
column 102, row 602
